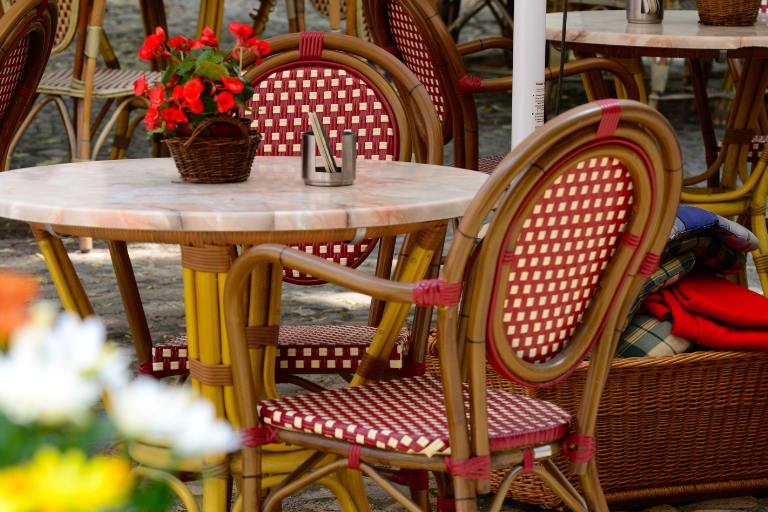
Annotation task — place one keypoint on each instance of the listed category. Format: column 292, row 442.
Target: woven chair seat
column 302, row 349
column 108, row 83
column 408, row 415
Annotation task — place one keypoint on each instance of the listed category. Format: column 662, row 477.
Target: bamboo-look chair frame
column 84, row 141
column 419, row 139
column 651, row 155
column 737, row 186
column 36, row 20
column 456, row 86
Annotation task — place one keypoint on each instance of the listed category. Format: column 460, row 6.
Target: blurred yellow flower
column 66, row 482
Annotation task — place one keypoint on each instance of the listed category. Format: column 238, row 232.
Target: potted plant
column 195, row 106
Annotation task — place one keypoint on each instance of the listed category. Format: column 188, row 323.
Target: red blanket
column 713, row 312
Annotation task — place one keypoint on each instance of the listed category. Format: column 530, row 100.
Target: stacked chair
column 414, row 32
column 394, row 119
column 26, row 38
column 550, row 282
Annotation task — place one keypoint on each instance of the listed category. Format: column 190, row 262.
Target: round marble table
column 145, row 200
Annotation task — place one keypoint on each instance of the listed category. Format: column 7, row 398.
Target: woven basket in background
column 734, row 13
column 670, row 428
column 215, row 160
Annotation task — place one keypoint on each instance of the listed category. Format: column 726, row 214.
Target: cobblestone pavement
column 157, row 266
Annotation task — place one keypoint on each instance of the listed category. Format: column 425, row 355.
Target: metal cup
column 316, row 175
column 645, row 11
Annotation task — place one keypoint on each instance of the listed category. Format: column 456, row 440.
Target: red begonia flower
column 178, row 93
column 152, row 119
column 208, row 37
column 157, row 96
column 153, row 45
column 193, row 89
column 140, row 86
column 235, row 85
column 225, row 101
column 196, row 106
column 181, row 43
column 240, row 30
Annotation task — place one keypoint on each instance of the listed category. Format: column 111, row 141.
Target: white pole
column 528, row 68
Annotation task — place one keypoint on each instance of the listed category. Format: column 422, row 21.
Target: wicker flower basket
column 734, row 13
column 215, row 160
column 671, row 428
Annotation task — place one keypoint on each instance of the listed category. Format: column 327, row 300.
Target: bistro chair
column 26, row 38
column 87, row 81
column 414, row 32
column 579, row 214
column 341, row 77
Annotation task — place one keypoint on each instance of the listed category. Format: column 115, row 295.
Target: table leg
column 699, row 83
column 211, row 15
column 129, row 292
column 63, row 275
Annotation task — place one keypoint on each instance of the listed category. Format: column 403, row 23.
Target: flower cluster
column 53, row 372
column 200, row 79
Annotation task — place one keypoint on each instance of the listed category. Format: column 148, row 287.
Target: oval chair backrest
column 348, row 94
column 569, row 235
column 398, row 27
column 324, row 7
column 26, row 36
column 68, row 11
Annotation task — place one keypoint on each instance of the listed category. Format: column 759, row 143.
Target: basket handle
column 216, row 119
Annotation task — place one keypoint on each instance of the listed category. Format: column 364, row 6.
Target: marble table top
column 679, row 31
column 148, row 194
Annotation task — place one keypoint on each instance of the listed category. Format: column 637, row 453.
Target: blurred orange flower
column 16, row 293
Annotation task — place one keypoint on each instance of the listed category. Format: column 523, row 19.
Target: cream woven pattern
column 560, row 255
column 408, row 415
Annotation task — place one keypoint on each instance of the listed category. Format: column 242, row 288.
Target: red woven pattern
column 331, row 348
column 11, row 72
column 755, row 148
column 551, row 274
column 350, row 255
column 408, row 415
column 64, row 22
column 301, row 349
column 343, row 100
column 413, row 51
column 324, row 7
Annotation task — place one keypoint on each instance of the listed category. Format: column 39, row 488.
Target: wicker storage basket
column 728, row 12
column 215, row 159
column 670, row 428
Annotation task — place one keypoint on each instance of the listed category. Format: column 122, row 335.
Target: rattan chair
column 313, row 71
column 86, row 82
column 413, row 31
column 583, row 208
column 26, row 38
column 344, row 75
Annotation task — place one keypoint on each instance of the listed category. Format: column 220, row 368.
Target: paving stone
column 660, row 508
column 743, row 503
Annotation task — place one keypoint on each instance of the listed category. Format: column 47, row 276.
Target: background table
column 679, row 35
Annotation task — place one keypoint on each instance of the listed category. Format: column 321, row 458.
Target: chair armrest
column 598, row 64
column 485, row 43
column 333, row 273
column 496, row 84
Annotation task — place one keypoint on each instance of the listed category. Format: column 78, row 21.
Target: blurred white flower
column 54, row 373
column 51, row 395
column 172, row 415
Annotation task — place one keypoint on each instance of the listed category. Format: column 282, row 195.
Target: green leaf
column 169, row 72
column 185, row 67
column 211, row 70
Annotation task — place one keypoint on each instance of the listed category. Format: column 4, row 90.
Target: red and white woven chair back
column 548, row 275
column 413, row 51
column 27, row 31
column 324, row 7
column 66, row 25
column 344, row 100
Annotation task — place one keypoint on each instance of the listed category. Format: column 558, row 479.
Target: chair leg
column 593, row 492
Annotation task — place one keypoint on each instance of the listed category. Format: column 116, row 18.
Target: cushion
column 408, row 415
column 647, row 337
column 711, row 252
column 302, row 349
